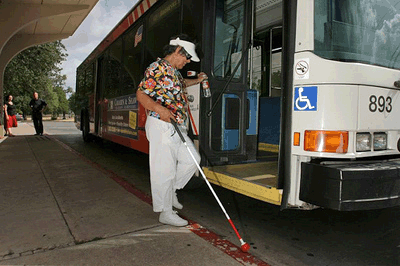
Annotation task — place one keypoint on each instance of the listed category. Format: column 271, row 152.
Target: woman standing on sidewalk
column 10, row 120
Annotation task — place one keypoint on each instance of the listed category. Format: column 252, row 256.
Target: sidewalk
column 58, row 209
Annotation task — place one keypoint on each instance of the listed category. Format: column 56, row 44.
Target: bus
column 305, row 106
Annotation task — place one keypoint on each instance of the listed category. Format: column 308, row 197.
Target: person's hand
column 202, row 76
column 166, row 115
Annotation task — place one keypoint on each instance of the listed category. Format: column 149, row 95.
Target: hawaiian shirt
column 165, row 85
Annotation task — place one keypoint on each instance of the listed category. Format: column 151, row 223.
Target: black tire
column 87, row 137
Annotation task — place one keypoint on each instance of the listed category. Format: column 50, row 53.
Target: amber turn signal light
column 296, row 139
column 326, row 141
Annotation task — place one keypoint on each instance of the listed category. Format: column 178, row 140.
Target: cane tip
column 245, row 247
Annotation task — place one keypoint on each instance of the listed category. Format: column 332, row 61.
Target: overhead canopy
column 25, row 23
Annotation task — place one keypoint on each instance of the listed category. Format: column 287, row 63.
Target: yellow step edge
column 270, row 195
column 268, row 147
column 258, row 177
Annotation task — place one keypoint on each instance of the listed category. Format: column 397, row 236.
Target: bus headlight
column 363, row 142
column 380, row 141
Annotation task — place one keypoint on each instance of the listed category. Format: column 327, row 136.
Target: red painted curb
column 224, row 245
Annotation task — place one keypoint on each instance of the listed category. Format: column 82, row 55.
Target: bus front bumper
column 349, row 186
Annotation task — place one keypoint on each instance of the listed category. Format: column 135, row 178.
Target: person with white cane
column 162, row 94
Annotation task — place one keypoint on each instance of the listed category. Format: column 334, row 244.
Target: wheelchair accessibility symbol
column 305, row 98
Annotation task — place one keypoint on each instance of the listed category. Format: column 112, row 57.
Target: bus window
column 267, row 63
column 89, row 79
column 131, row 64
column 257, row 73
column 113, row 68
column 84, row 85
column 228, row 37
column 162, row 24
column 276, row 72
column 358, row 31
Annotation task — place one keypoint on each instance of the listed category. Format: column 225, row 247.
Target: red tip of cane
column 245, row 247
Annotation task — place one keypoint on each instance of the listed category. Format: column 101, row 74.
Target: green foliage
column 73, row 103
column 276, row 79
column 37, row 69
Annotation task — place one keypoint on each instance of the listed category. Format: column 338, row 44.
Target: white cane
column 244, row 246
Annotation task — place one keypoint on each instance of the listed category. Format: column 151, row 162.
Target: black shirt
column 37, row 105
column 11, row 109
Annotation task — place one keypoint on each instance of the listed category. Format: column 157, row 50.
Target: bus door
column 229, row 119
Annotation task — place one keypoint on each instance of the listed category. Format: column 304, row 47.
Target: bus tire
column 87, row 137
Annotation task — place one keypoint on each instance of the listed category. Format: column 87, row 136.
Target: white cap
column 189, row 47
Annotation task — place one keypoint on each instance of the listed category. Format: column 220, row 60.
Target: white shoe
column 175, row 202
column 171, row 218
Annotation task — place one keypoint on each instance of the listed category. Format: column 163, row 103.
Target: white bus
column 304, row 110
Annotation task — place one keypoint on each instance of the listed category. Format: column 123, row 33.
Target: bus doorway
column 266, row 78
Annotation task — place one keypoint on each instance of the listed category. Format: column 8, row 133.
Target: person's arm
column 5, row 112
column 200, row 77
column 148, row 103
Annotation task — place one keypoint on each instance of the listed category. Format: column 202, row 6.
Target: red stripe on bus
column 191, row 117
column 135, row 12
column 120, row 29
column 141, row 8
column 148, row 4
column 193, row 124
column 130, row 20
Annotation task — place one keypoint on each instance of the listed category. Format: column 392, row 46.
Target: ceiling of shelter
column 58, row 24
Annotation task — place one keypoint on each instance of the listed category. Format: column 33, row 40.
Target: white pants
column 171, row 165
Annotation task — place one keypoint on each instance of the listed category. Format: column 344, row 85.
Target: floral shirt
column 165, row 85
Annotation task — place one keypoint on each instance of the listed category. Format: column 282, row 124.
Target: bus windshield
column 365, row 31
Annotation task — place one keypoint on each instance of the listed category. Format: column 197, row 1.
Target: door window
column 228, row 44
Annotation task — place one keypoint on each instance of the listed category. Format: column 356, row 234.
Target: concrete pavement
column 56, row 208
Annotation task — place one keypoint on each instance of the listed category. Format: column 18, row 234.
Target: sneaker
column 175, row 202
column 171, row 218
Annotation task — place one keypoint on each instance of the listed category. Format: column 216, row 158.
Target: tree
column 36, row 69
column 63, row 106
column 73, row 103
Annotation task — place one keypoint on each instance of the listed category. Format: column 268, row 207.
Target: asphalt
column 57, row 208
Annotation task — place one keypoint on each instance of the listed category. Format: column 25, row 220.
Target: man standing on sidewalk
column 162, row 93
column 38, row 107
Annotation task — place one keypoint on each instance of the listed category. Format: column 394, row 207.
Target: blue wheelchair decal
column 305, row 98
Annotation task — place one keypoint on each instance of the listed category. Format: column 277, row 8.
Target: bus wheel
column 87, row 137
column 195, row 182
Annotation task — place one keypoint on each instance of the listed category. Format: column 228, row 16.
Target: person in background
column 162, row 94
column 10, row 119
column 38, row 106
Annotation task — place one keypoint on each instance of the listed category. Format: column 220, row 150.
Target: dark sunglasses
column 184, row 53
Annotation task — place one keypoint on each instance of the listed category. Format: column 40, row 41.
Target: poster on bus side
column 122, row 116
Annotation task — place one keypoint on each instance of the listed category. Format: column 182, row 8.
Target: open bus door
column 230, row 135
column 229, row 132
